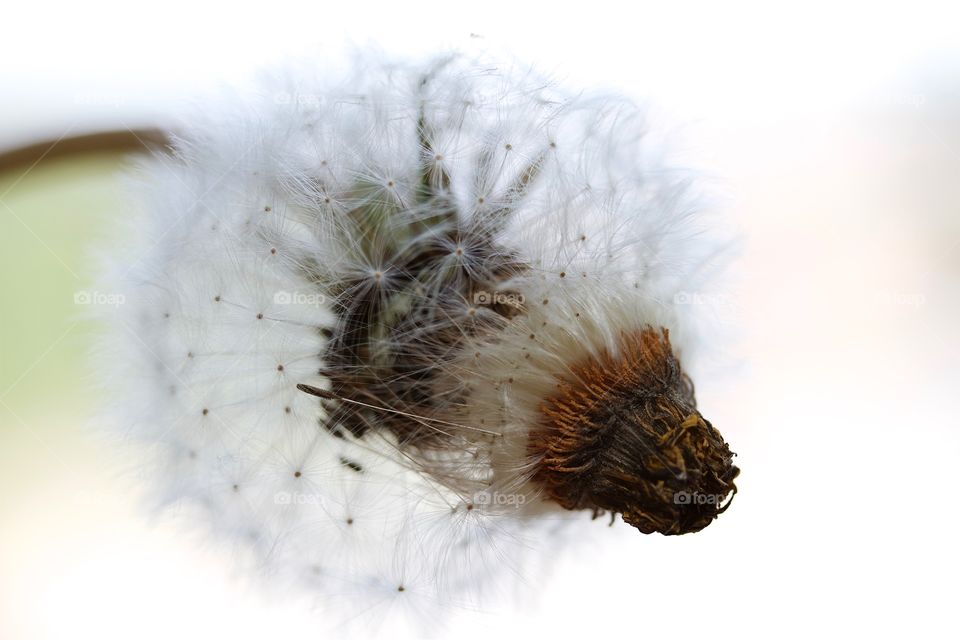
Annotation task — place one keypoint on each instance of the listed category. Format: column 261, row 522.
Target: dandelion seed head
column 416, row 267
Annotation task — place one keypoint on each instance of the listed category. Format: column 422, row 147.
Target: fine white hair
column 233, row 267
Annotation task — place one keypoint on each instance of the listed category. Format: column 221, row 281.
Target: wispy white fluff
column 221, row 320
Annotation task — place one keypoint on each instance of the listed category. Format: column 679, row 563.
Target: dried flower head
column 624, row 435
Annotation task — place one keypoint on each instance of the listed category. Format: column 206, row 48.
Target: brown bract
column 622, row 434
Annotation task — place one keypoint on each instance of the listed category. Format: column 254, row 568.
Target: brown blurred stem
column 116, row 141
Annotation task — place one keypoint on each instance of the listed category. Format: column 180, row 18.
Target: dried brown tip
column 623, row 435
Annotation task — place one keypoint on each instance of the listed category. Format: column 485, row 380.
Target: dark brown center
column 622, row 434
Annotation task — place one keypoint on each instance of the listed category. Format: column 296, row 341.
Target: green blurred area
column 51, row 215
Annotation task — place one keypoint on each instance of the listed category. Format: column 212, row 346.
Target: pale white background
column 836, row 132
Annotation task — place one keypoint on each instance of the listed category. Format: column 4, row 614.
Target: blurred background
column 834, row 132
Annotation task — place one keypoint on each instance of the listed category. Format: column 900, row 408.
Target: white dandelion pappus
column 393, row 332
